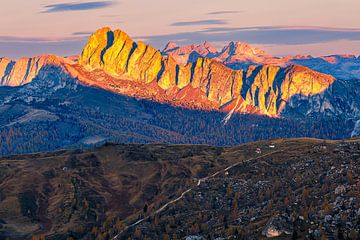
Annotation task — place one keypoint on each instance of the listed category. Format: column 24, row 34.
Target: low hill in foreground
column 296, row 188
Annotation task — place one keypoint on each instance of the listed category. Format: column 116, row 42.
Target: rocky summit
column 15, row 73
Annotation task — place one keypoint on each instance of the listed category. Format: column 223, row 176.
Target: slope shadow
column 89, row 112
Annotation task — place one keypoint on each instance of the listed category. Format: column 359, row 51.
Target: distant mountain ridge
column 231, row 53
column 239, row 55
column 23, row 71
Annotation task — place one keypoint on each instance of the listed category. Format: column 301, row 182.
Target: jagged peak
column 102, row 31
column 24, row 70
column 204, row 46
column 209, row 46
column 170, row 46
column 5, row 59
column 105, row 32
column 99, row 42
column 234, row 48
column 206, row 43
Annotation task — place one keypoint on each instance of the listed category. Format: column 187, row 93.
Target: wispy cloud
column 15, row 48
column 82, row 33
column 283, row 27
column 224, row 12
column 201, row 23
column 77, row 6
column 14, row 39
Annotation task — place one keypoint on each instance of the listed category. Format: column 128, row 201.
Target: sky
column 280, row 27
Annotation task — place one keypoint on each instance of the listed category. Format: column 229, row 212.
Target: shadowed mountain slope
column 58, row 111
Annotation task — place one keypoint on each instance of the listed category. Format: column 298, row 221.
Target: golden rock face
column 113, row 61
column 303, row 81
column 263, row 89
column 5, row 65
column 260, row 83
column 25, row 69
column 93, row 52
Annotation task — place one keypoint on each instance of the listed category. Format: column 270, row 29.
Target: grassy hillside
column 307, row 187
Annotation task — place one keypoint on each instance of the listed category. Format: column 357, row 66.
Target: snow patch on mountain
column 356, row 131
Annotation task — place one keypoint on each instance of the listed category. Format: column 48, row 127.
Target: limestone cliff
column 16, row 73
column 113, row 61
column 261, row 89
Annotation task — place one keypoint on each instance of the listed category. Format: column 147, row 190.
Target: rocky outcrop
column 261, row 89
column 25, row 69
column 277, row 226
column 120, row 56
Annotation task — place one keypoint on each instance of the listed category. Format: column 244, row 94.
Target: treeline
column 114, row 118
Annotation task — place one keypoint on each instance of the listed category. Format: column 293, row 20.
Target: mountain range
column 239, row 55
column 116, row 88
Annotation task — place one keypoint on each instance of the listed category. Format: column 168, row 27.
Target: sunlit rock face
column 92, row 54
column 262, row 89
column 113, row 61
column 16, row 73
column 303, row 82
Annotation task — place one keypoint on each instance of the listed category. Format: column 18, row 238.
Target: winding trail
column 202, row 180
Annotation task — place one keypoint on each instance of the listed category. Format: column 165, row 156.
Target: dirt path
column 202, row 180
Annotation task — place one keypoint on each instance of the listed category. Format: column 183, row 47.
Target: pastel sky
column 281, row 27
